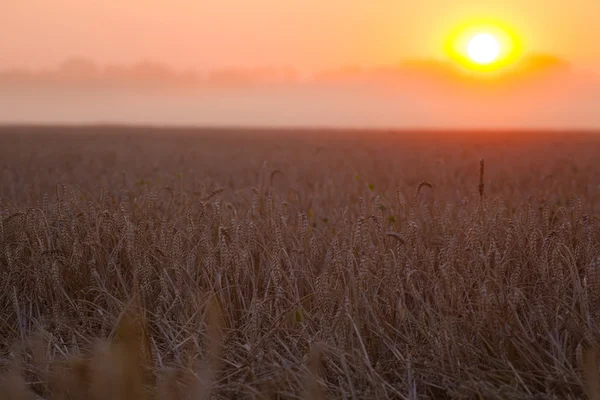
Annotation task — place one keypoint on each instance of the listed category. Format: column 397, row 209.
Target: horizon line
column 299, row 128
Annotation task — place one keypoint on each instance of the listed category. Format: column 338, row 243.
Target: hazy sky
column 306, row 34
column 335, row 42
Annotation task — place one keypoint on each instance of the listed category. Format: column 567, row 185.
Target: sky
column 308, row 34
column 306, row 38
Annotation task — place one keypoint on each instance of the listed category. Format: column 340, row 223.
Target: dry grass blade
column 396, row 236
column 481, row 184
column 212, row 194
column 422, row 185
column 209, row 367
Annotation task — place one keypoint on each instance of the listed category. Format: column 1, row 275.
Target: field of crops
column 140, row 263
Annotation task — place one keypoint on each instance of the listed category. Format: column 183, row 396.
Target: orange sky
column 305, row 34
column 356, row 63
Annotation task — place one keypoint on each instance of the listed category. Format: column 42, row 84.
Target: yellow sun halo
column 483, row 48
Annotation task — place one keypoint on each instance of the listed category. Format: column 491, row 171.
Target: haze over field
column 300, row 64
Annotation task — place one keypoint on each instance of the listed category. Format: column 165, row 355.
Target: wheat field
column 140, row 263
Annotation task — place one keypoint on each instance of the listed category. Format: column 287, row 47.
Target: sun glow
column 483, row 48
column 486, row 47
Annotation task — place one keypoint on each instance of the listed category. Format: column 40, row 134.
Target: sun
column 483, row 48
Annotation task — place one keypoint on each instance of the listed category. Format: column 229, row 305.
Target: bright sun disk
column 483, row 48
